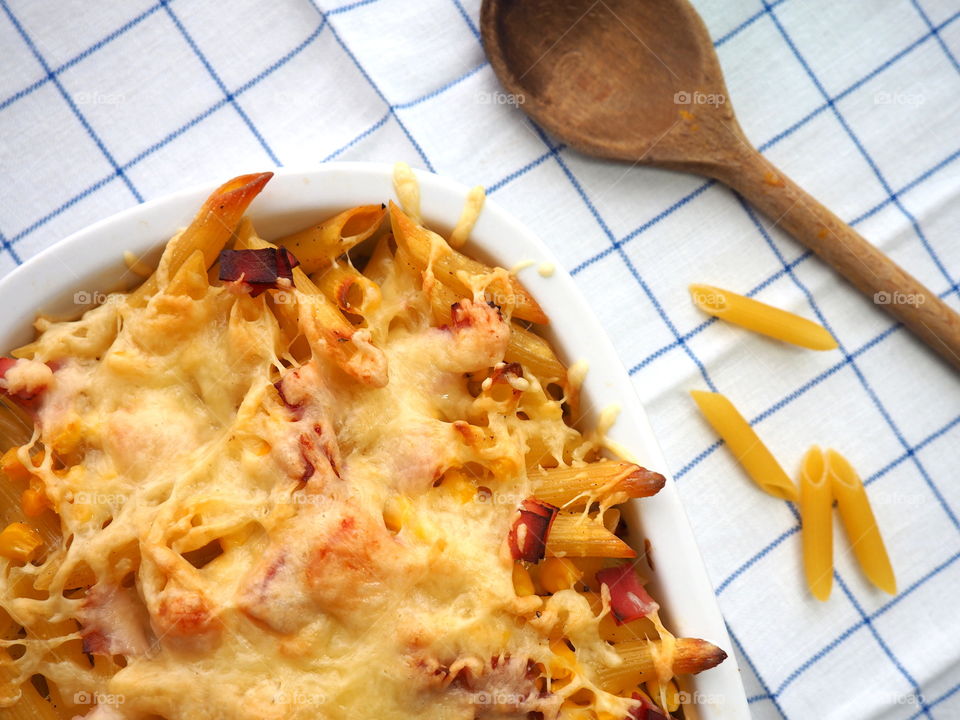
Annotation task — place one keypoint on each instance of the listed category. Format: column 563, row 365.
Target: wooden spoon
column 639, row 81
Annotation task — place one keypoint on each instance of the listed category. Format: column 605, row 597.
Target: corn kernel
column 558, row 574
column 670, row 692
column 19, row 542
column 14, row 469
column 34, row 502
column 564, row 660
column 68, row 439
column 522, row 584
column 396, row 511
column 456, row 482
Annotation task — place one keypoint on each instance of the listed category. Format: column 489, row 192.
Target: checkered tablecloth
column 105, row 105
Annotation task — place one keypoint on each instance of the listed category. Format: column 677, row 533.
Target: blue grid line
column 783, row 402
column 723, row 39
column 467, row 19
column 800, row 123
column 246, row 86
column 283, row 60
column 867, row 482
column 756, row 558
column 77, row 58
column 624, row 257
column 170, row 137
column 507, row 179
column 943, row 698
column 871, row 393
column 866, row 386
column 943, row 45
column 763, row 683
column 859, row 83
column 442, row 89
column 617, row 244
column 925, row 175
column 906, row 188
column 376, row 89
column 829, row 647
column 369, row 131
column 348, row 7
column 187, row 126
column 883, row 644
column 231, row 97
column 707, row 323
column 860, row 147
column 9, row 248
column 865, row 620
column 69, row 100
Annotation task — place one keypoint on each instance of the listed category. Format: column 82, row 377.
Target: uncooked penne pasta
column 816, row 502
column 573, row 535
column 860, row 523
column 761, row 318
column 318, row 246
column 573, row 486
column 746, row 446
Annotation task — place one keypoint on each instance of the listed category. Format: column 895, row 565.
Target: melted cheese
column 169, row 436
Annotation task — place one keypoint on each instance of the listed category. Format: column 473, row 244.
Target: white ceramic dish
column 78, row 270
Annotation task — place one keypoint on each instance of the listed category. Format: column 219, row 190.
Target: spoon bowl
column 639, row 81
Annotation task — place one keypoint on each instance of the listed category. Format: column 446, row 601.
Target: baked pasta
column 336, row 475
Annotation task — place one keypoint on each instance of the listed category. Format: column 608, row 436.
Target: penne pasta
column 574, row 486
column 573, row 535
column 209, row 231
column 318, row 246
column 816, row 501
column 690, row 656
column 746, row 446
column 860, row 523
column 15, row 426
column 348, row 289
column 327, row 329
column 536, row 355
column 380, row 262
column 761, row 318
column 429, row 250
column 525, row 347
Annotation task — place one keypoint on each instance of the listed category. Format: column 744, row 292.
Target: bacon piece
column 528, row 536
column 258, row 270
column 185, row 618
column 113, row 621
column 629, row 600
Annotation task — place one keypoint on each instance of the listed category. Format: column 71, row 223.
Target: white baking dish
column 81, row 268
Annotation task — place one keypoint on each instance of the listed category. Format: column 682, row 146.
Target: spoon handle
column 845, row 250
